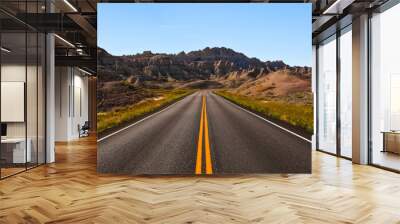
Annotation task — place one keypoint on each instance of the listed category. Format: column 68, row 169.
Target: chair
column 84, row 130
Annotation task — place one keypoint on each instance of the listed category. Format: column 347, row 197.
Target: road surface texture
column 203, row 134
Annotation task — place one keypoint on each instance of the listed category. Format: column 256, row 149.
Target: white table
column 19, row 153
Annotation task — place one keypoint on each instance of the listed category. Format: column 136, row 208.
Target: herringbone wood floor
column 70, row 191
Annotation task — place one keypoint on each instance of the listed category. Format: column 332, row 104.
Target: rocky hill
column 203, row 64
column 206, row 68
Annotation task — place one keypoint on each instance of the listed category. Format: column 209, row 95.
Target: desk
column 391, row 141
column 19, row 155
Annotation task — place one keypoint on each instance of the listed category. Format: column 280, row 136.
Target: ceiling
column 73, row 21
column 332, row 15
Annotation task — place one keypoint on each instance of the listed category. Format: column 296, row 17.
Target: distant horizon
column 186, row 52
column 267, row 32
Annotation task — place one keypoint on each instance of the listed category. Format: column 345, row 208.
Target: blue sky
column 265, row 31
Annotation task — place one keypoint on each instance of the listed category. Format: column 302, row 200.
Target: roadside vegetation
column 120, row 115
column 298, row 115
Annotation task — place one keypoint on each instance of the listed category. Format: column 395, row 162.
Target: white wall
column 33, row 126
column 71, row 87
column 80, row 111
column 62, row 82
column 12, row 73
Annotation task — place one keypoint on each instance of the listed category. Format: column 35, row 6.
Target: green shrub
column 299, row 115
column 121, row 115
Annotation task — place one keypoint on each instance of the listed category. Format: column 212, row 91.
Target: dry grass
column 121, row 115
column 299, row 115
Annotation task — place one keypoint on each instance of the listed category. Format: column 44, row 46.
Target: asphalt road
column 203, row 134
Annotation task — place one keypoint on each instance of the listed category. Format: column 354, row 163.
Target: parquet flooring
column 70, row 191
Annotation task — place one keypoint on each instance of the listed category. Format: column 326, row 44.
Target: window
column 327, row 95
column 22, row 88
column 385, row 89
column 346, row 92
column 334, row 106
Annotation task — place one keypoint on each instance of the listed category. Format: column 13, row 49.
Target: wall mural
column 202, row 89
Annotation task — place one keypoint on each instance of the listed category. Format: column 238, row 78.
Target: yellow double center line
column 203, row 125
